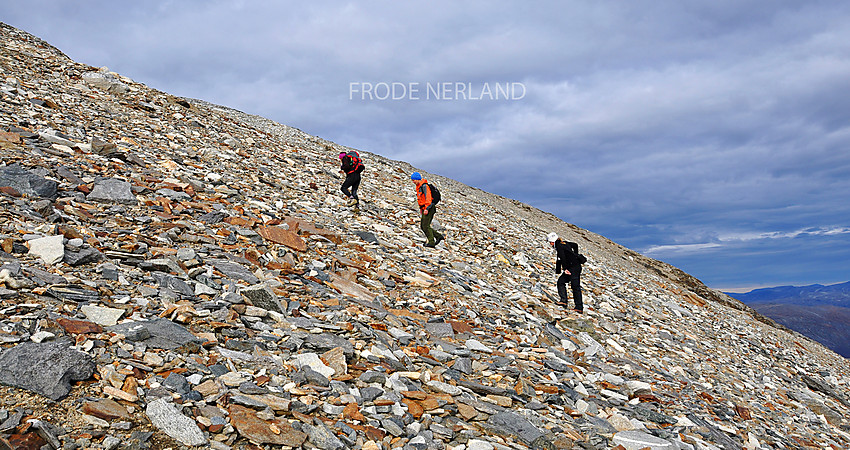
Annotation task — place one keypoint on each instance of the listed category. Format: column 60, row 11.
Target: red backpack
column 356, row 162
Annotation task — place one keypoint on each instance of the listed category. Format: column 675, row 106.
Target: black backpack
column 581, row 258
column 435, row 194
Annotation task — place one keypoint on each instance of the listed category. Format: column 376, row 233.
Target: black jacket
column 567, row 256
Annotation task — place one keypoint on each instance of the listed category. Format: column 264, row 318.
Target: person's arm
column 426, row 195
column 563, row 262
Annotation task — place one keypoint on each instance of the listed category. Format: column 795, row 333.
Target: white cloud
column 735, row 238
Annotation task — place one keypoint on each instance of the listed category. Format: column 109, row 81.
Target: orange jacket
column 423, row 194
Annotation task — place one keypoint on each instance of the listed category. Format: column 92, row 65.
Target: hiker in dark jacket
column 351, row 166
column 427, row 206
column 568, row 261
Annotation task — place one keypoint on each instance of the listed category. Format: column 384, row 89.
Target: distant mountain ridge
column 834, row 294
column 818, row 312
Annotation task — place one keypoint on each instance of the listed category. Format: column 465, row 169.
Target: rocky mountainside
column 179, row 274
column 829, row 325
column 816, row 311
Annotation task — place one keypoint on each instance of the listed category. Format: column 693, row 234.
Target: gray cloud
column 673, row 128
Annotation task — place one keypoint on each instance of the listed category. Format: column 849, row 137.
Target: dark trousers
column 425, row 224
column 575, row 285
column 352, row 180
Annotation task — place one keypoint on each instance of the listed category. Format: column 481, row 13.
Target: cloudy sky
column 713, row 135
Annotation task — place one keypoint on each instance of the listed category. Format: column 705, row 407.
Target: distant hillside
column 819, row 312
column 829, row 325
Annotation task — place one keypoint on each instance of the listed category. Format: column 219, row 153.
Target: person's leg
column 425, row 224
column 575, row 284
column 355, row 184
column 438, row 237
column 345, row 185
column 562, row 287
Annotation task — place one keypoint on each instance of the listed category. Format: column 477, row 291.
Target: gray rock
column 186, row 254
column 164, row 334
column 556, row 364
column 247, row 401
column 463, row 365
column 67, row 174
column 635, row 440
column 514, row 425
column 73, row 293
column 111, row 443
column 83, row 256
column 112, row 190
column 262, row 296
column 235, row 271
column 27, row 183
column 652, row 416
column 168, row 419
column 393, row 426
column 327, row 341
column 173, row 195
column 103, row 316
column 323, row 438
column 43, row 277
column 370, row 393
column 439, row 329
column 50, row 249
column 47, row 368
column 177, row 383
column 372, row 376
column 367, row 236
column 251, row 388
column 175, row 284
column 105, row 81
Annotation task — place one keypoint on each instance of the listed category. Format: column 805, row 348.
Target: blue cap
column 416, row 176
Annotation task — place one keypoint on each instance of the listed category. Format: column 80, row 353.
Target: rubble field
column 178, row 274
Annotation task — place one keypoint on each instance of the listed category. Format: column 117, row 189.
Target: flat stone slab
column 260, row 431
column 50, row 249
column 439, row 329
column 515, row 425
column 157, row 333
column 112, row 190
column 284, row 237
column 312, row 361
column 168, row 419
column 47, row 368
column 235, row 271
column 635, row 440
column 102, row 316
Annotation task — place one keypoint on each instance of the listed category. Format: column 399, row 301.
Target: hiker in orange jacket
column 427, row 196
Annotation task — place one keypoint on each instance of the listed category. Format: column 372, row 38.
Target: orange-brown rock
column 281, row 236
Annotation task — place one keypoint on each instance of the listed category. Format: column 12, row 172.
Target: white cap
column 552, row 237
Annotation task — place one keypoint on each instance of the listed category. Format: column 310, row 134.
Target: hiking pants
column 575, row 285
column 352, row 180
column 425, row 224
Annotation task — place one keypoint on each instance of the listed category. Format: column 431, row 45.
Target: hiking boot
column 430, row 245
column 351, row 202
column 439, row 239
